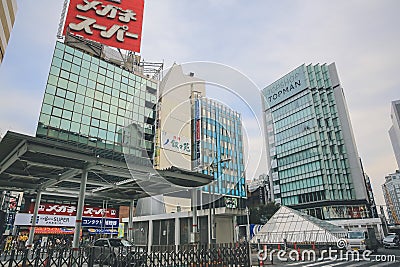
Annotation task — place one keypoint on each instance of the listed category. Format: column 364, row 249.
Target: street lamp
column 213, row 166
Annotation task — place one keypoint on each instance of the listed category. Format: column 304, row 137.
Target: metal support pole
column 34, row 216
column 150, row 237
column 209, row 218
column 236, row 229
column 194, row 216
column 177, row 233
column 79, row 211
column 248, row 233
column 130, row 220
column 213, row 226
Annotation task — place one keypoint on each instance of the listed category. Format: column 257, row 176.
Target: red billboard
column 116, row 23
column 70, row 210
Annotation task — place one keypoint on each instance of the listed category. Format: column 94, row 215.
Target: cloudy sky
column 262, row 39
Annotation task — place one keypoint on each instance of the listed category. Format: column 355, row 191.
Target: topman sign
column 285, row 87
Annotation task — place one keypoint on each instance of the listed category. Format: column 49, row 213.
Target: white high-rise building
column 394, row 131
column 8, row 9
column 391, row 192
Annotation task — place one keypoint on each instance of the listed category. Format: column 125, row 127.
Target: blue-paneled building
column 221, row 147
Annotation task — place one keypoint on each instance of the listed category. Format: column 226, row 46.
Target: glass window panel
column 67, row 115
column 48, row 99
column 55, row 70
column 69, row 105
column 66, row 66
column 57, row 112
column 93, row 131
column 96, row 113
column 58, row 101
column 86, row 119
column 75, row 127
column 72, row 86
column 103, row 124
column 85, row 64
column 50, row 89
column 76, row 117
column 63, row 83
column 77, row 61
column 52, row 79
column 44, row 118
column 61, row 92
column 83, row 81
column 84, row 73
column 101, row 79
column 78, row 54
column 79, row 98
column 58, row 53
column 70, row 96
column 78, row 107
column 69, row 50
column 90, row 92
column 56, row 62
column 91, row 84
column 84, row 130
column 46, row 108
column 55, row 122
column 87, row 110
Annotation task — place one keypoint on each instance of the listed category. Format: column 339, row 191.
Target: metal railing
column 233, row 255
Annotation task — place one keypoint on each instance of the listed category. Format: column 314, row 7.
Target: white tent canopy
column 297, row 227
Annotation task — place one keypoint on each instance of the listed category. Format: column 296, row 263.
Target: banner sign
column 54, row 231
column 100, row 222
column 94, row 231
column 70, row 210
column 45, row 220
column 113, row 23
column 197, row 132
column 176, row 143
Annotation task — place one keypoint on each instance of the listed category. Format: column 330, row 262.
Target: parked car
column 391, row 241
column 113, row 251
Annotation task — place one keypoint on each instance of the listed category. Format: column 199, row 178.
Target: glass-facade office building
column 88, row 103
column 222, row 147
column 313, row 159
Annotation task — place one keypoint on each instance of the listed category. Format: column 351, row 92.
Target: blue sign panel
column 100, row 222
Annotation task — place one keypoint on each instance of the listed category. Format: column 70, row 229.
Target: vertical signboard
column 197, row 132
column 116, row 23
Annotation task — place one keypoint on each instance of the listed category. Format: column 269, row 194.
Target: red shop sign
column 70, row 210
column 116, row 23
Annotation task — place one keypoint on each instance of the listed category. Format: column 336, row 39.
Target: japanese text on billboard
column 113, row 23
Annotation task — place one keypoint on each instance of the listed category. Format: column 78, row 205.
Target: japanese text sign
column 100, row 222
column 176, row 143
column 116, row 23
column 70, row 210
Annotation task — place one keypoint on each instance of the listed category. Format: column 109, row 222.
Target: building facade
column 312, row 155
column 94, row 104
column 212, row 130
column 258, row 191
column 394, row 131
column 8, row 10
column 221, row 147
column 391, row 192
